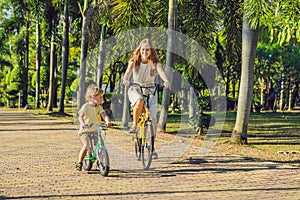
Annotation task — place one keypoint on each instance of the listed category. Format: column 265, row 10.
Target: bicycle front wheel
column 87, row 163
column 148, row 147
column 103, row 160
column 137, row 145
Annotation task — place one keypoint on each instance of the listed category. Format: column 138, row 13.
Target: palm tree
column 84, row 48
column 169, row 62
column 53, row 62
column 36, row 10
column 38, row 63
column 253, row 11
column 250, row 37
column 65, row 56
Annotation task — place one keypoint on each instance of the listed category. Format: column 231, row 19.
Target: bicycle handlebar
column 101, row 125
column 98, row 125
column 149, row 86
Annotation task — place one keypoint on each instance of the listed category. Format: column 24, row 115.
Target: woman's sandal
column 78, row 166
column 154, row 155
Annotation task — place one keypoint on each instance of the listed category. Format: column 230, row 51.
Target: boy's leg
column 85, row 142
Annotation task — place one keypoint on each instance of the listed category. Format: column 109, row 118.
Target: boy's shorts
column 84, row 137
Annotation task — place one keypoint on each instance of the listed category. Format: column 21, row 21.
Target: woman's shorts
column 134, row 94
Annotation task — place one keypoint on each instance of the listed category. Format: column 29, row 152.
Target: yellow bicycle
column 144, row 136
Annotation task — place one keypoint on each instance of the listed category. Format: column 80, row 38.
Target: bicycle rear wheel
column 87, row 163
column 148, row 148
column 103, row 160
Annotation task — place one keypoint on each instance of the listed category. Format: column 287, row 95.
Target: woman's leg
column 137, row 111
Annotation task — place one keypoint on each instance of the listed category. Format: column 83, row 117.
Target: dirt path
column 38, row 155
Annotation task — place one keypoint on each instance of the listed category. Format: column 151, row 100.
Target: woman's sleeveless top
column 143, row 76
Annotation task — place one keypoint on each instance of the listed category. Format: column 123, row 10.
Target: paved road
column 38, row 154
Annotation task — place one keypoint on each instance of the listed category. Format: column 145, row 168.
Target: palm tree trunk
column 83, row 55
column 125, row 114
column 169, row 63
column 101, row 58
column 52, row 67
column 25, row 91
column 38, row 65
column 249, row 44
column 281, row 101
column 192, row 109
column 65, row 56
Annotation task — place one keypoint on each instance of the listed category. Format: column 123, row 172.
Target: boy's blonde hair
column 92, row 91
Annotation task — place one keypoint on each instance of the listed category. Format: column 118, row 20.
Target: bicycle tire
column 137, row 146
column 147, row 149
column 87, row 164
column 103, row 160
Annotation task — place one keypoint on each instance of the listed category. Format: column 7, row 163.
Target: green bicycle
column 144, row 137
column 98, row 153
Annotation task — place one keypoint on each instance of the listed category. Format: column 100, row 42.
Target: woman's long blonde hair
column 153, row 58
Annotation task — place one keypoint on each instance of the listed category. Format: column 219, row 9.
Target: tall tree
column 53, row 62
column 252, row 12
column 231, row 37
column 38, row 62
column 169, row 62
column 83, row 54
column 65, row 56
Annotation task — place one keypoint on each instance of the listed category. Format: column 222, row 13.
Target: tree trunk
column 125, row 114
column 52, row 67
column 192, row 109
column 101, row 58
column 249, row 44
column 281, row 101
column 65, row 57
column 184, row 103
column 83, row 55
column 25, row 78
column 169, row 63
column 295, row 94
column 38, row 65
column 290, row 92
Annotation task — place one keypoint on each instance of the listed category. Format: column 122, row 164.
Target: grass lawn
column 271, row 136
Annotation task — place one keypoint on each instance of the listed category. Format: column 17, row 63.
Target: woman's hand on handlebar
column 166, row 84
column 126, row 82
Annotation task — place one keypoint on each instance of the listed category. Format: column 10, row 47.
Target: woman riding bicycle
column 145, row 66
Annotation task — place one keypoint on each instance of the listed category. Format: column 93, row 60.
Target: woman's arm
column 163, row 75
column 127, row 74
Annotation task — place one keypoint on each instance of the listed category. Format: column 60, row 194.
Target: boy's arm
column 81, row 120
column 106, row 119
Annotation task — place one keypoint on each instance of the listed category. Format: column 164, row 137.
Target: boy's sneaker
column 132, row 129
column 78, row 166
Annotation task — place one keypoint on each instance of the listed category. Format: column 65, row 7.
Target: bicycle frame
column 99, row 144
column 99, row 154
column 146, row 114
column 144, row 137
